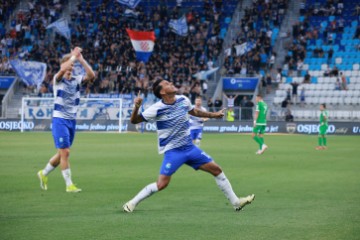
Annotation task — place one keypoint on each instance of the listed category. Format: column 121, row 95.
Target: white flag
column 62, row 27
column 179, row 26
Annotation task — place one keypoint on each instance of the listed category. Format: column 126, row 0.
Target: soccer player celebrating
column 67, row 97
column 171, row 115
column 196, row 123
column 260, row 124
column 323, row 128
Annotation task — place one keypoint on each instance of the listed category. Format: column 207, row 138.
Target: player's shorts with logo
column 63, row 131
column 259, row 129
column 323, row 129
column 189, row 155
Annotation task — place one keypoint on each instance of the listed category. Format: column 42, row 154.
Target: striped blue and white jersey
column 197, row 122
column 172, row 122
column 67, row 97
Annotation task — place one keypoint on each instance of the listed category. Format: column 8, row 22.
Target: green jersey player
column 260, row 124
column 323, row 127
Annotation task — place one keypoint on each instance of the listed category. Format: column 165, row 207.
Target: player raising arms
column 260, row 124
column 323, row 128
column 171, row 115
column 196, row 123
column 67, row 98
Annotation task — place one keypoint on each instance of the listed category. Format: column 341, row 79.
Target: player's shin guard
column 145, row 193
column 226, row 188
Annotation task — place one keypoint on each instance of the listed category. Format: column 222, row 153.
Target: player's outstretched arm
column 135, row 116
column 198, row 113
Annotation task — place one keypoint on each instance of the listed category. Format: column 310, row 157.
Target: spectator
column 230, row 100
column 337, row 84
column 302, row 97
column 288, row 94
column 248, row 109
column 218, row 104
column 343, row 82
column 288, row 116
column 230, row 115
column 210, row 105
column 295, row 86
column 284, row 105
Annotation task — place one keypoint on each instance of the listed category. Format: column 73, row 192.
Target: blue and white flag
column 131, row 13
column 129, row 3
column 244, row 48
column 203, row 75
column 179, row 26
column 62, row 27
column 31, row 73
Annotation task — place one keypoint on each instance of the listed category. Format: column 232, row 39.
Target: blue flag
column 179, row 26
column 31, row 73
column 62, row 27
column 129, row 3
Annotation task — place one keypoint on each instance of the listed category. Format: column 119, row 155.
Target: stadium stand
column 260, row 25
column 324, row 59
column 99, row 27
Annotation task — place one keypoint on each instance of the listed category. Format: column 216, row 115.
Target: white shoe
column 263, row 149
column 244, row 201
column 128, row 207
column 258, row 152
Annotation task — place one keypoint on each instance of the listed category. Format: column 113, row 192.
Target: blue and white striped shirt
column 172, row 122
column 197, row 122
column 67, row 97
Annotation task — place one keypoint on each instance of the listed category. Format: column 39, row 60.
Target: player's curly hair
column 157, row 88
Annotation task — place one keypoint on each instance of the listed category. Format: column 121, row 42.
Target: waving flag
column 31, row 73
column 143, row 43
column 203, row 75
column 62, row 27
column 179, row 26
column 244, row 48
column 129, row 3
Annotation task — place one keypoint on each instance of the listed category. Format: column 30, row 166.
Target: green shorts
column 259, row 129
column 323, row 129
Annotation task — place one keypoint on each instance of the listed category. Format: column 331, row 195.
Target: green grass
column 300, row 193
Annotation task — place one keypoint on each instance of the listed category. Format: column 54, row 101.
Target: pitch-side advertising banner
column 103, row 124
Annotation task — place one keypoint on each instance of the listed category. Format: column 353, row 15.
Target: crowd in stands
column 260, row 25
column 27, row 38
column 99, row 28
column 318, row 35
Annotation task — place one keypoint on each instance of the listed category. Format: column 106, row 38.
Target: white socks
column 144, row 193
column 67, row 176
column 226, row 188
column 48, row 169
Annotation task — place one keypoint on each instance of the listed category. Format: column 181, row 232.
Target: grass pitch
column 300, row 193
